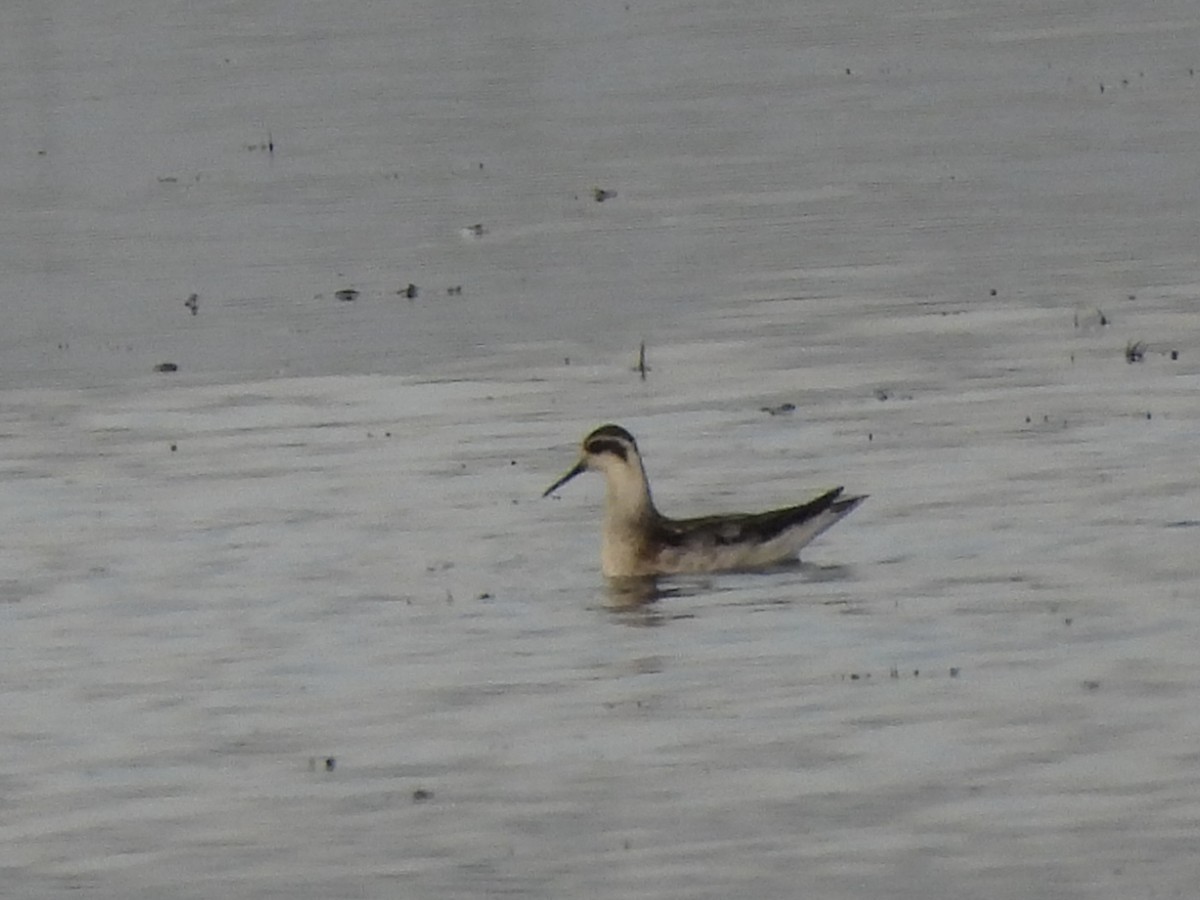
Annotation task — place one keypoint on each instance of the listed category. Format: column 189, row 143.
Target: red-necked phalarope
column 639, row 540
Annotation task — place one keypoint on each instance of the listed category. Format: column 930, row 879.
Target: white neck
column 628, row 513
column 628, row 500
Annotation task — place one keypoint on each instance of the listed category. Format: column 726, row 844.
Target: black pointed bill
column 579, row 468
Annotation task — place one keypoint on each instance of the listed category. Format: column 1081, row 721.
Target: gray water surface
column 292, row 621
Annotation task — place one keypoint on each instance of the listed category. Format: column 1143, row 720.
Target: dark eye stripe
column 612, row 431
column 600, row 445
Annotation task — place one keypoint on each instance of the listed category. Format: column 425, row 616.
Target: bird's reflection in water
column 635, row 600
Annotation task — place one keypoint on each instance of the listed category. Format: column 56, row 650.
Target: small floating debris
column 473, row 231
column 1090, row 319
column 420, row 795
column 600, row 194
column 193, row 303
column 168, row 179
column 1135, row 351
column 781, row 410
column 346, row 295
column 410, row 291
column 166, row 367
column 894, row 672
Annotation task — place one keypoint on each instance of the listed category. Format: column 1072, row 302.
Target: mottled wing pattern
column 748, row 528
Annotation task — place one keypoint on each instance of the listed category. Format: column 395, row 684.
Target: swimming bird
column 638, row 540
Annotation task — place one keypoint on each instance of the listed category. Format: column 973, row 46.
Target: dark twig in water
column 642, row 368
